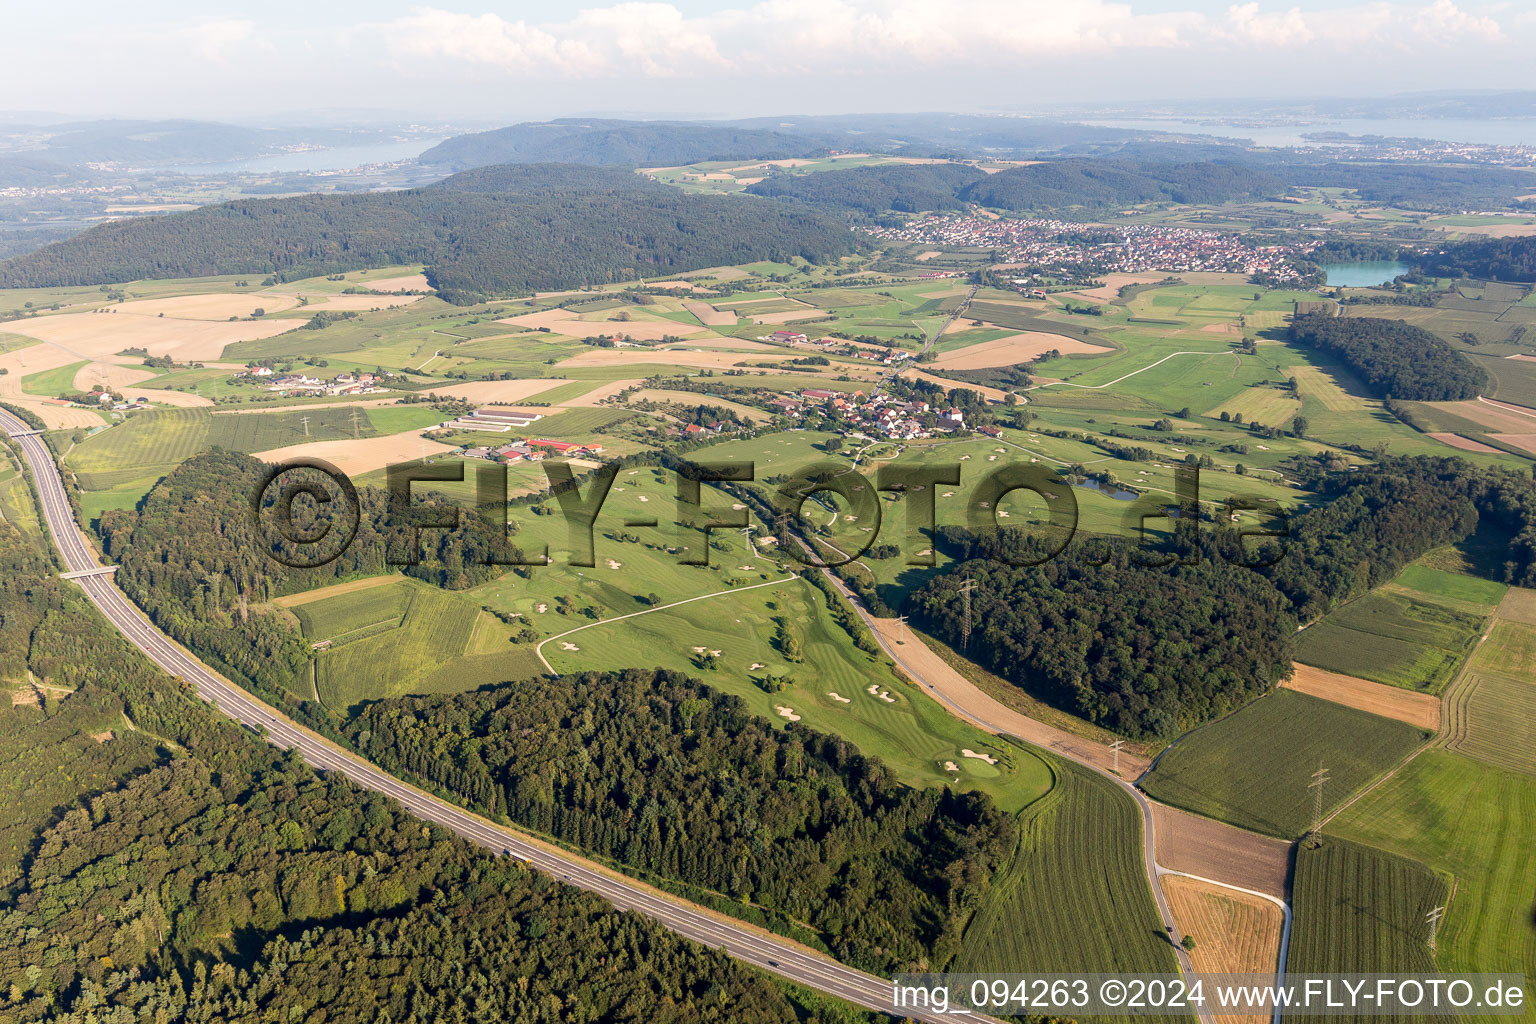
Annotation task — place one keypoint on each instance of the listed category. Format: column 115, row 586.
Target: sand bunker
column 786, row 712
column 968, row 752
column 840, row 699
column 950, row 766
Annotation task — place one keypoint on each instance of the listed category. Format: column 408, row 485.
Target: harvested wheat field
column 359, row 303
column 177, row 399
column 1418, row 709
column 363, row 455
column 56, row 416
column 214, row 306
column 1234, row 933
column 1465, row 444
column 1496, row 416
column 1016, row 348
column 503, row 391
column 668, row 357
column 112, row 375
column 1110, row 289
column 1226, row 853
column 991, row 394
column 103, row 335
column 601, row 393
column 407, row 283
column 1525, row 442
column 1519, row 605
column 33, row 359
column 709, row 315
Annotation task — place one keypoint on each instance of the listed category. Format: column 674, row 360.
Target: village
column 1135, row 248
column 298, row 385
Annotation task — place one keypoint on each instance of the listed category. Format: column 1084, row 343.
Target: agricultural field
column 1234, row 932
column 1078, row 865
column 1358, row 909
column 1492, row 710
column 1470, row 822
column 406, row 637
column 1394, row 635
column 1253, row 767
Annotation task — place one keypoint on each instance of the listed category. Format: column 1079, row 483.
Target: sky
column 463, row 60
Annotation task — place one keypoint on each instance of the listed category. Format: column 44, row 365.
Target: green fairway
column 1473, row 822
column 1078, row 865
column 1253, row 767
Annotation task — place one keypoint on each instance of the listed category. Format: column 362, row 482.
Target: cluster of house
column 883, row 356
column 880, row 416
column 302, row 384
column 532, row 450
column 1130, row 249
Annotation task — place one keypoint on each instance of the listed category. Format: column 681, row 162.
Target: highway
column 742, row 941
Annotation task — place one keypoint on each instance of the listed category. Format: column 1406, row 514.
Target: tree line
column 1150, row 650
column 1395, row 358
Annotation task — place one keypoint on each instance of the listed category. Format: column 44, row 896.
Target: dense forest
column 663, row 774
column 1490, row 259
column 616, row 143
column 193, row 557
column 905, row 188
column 1059, row 184
column 1146, row 651
column 159, row 863
column 546, row 227
column 1395, row 358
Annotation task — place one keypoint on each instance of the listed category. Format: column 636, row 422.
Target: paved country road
column 742, row 941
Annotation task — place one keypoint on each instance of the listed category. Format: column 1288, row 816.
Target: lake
column 315, row 161
column 1504, row 131
column 1363, row 273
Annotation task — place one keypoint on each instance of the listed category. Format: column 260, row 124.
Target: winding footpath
column 740, row 940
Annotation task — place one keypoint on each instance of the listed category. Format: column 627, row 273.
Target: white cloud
column 772, row 38
column 220, row 39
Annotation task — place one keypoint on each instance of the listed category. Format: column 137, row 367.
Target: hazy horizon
column 500, row 62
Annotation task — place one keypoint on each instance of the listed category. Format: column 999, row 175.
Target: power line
column 1433, row 917
column 1115, row 747
column 965, row 630
column 1319, row 781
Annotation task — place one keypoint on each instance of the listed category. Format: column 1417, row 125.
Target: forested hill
column 543, row 228
column 617, row 143
column 906, row 188
column 1099, row 183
